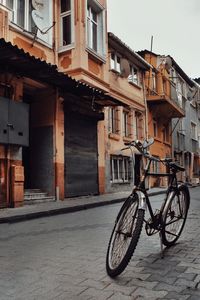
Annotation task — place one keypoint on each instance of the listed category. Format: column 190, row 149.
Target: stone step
column 32, row 191
column 35, row 196
column 38, row 200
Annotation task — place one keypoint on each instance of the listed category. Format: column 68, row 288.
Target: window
column 8, row 3
column 179, row 93
column 139, row 125
column 120, row 169
column 155, row 128
column 154, row 81
column 113, row 121
column 182, row 125
column 155, row 165
column 134, row 75
column 173, row 75
column 193, row 131
column 165, row 133
column 20, row 8
column 66, row 21
column 127, row 123
column 95, row 27
column 115, row 62
column 32, row 16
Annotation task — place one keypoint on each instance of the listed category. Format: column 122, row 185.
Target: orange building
column 126, row 122
column 166, row 99
column 49, row 121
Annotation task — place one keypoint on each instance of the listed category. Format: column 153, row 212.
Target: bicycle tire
column 118, row 258
column 174, row 216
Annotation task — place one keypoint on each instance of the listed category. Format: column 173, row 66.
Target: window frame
column 113, row 120
column 115, row 66
column 101, row 28
column 165, row 134
column 127, row 123
column 154, row 81
column 125, row 175
column 155, row 128
column 156, row 165
column 134, row 71
column 181, row 127
column 193, row 128
column 27, row 19
column 62, row 15
column 139, row 122
column 14, row 10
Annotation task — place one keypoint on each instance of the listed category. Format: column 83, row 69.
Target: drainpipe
column 57, row 196
column 146, row 110
column 55, row 35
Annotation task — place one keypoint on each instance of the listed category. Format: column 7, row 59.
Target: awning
column 13, row 59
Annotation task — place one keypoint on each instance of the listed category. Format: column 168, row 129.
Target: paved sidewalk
column 69, row 205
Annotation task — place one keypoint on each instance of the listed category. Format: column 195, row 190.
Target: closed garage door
column 81, row 165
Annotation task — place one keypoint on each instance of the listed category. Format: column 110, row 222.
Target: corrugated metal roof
column 17, row 60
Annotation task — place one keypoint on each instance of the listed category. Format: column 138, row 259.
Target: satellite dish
column 125, row 67
column 38, row 18
column 40, row 15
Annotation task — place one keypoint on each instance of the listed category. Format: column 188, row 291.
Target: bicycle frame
column 144, row 198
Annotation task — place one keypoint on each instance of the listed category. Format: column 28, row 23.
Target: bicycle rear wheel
column 175, row 215
column 124, row 237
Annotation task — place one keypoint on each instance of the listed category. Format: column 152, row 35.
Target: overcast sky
column 174, row 25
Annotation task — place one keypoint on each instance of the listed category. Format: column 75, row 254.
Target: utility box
column 17, row 186
column 14, row 122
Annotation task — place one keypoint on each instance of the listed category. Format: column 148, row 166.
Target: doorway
column 38, row 156
column 137, row 169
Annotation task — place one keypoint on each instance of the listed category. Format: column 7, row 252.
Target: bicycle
column 168, row 221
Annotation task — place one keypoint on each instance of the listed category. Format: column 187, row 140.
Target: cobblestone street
column 63, row 257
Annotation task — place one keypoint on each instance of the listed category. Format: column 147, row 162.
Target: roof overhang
column 14, row 59
column 115, row 43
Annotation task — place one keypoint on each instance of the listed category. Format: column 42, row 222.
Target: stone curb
column 63, row 210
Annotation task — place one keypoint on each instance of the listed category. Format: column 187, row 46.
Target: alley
column 63, row 257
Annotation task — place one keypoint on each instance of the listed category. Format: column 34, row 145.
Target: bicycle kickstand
column 161, row 246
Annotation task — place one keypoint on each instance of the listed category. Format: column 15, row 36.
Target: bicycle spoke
column 168, row 232
column 124, row 236
column 175, row 217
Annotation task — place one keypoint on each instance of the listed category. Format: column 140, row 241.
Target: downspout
column 55, row 36
column 57, row 192
column 146, row 110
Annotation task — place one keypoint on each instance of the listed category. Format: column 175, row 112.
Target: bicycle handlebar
column 141, row 147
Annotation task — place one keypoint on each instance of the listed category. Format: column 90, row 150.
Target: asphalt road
column 63, row 257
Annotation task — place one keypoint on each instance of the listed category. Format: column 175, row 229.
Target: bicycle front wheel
column 175, row 215
column 125, row 236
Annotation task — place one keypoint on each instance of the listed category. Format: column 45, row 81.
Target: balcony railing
column 175, row 97
column 167, row 95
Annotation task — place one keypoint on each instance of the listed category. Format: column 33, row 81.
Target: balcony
column 165, row 101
